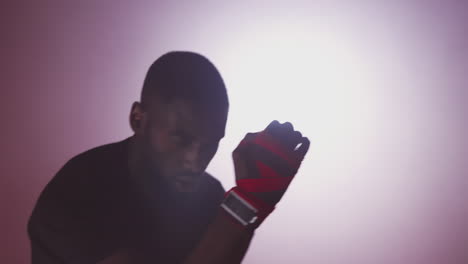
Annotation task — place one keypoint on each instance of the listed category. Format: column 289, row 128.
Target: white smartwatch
column 240, row 209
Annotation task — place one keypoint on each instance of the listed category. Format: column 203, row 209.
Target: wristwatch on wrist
column 240, row 209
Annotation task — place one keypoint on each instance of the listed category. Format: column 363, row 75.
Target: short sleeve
column 70, row 223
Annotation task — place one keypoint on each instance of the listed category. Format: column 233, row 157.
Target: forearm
column 223, row 242
column 238, row 253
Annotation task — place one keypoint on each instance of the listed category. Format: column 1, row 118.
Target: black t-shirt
column 91, row 209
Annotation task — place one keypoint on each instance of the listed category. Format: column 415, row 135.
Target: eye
column 179, row 139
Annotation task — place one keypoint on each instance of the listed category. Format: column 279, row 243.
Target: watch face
column 240, row 209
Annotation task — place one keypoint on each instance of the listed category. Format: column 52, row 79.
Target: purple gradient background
column 386, row 178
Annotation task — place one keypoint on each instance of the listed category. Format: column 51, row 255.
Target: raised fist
column 266, row 162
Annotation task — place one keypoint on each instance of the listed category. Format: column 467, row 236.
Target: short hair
column 188, row 76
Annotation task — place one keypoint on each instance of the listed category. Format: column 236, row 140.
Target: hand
column 266, row 162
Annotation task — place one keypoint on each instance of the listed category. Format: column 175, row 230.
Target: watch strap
column 247, row 210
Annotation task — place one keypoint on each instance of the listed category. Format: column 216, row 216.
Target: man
column 148, row 199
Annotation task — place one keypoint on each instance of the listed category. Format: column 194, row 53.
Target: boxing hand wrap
column 271, row 169
column 274, row 166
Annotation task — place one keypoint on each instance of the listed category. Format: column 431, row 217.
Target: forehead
column 185, row 117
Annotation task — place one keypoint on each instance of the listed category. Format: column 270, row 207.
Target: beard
column 156, row 181
column 159, row 176
column 147, row 178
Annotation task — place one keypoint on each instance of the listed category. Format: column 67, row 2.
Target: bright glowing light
column 312, row 77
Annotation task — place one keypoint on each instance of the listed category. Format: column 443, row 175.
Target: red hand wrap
column 268, row 179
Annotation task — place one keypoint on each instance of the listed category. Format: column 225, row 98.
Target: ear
column 138, row 118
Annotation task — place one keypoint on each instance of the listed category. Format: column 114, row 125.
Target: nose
column 192, row 160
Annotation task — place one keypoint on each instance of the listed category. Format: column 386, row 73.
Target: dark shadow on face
column 181, row 140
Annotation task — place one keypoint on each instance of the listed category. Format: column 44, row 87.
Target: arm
column 264, row 163
column 223, row 242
